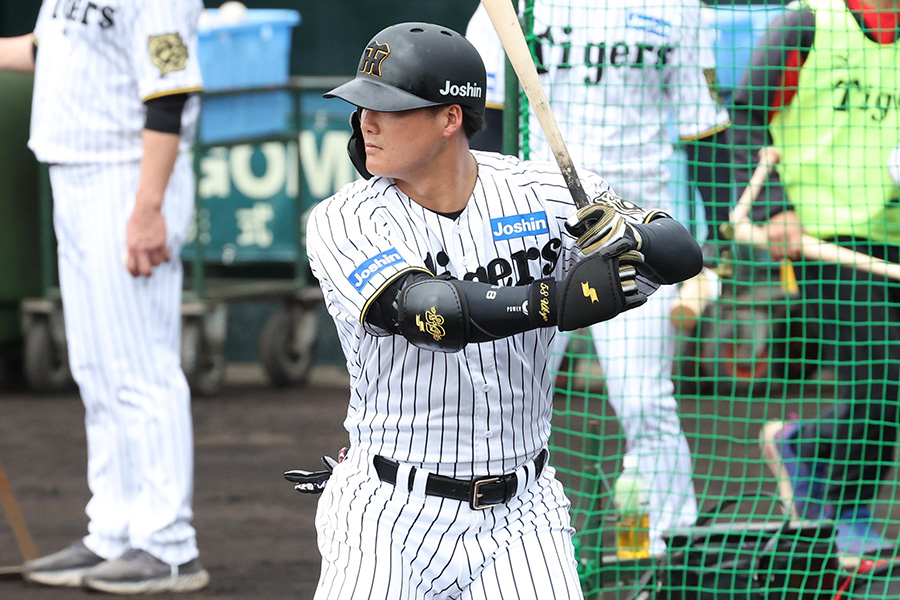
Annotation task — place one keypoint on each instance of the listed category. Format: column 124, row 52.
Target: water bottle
column 632, row 497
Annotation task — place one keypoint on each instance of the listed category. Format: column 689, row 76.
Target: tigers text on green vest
column 836, row 135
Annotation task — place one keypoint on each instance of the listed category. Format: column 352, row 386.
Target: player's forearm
column 160, row 153
column 444, row 314
column 17, row 53
column 471, row 311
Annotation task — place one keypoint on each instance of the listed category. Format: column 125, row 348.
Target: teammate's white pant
column 382, row 541
column 123, row 340
column 635, row 350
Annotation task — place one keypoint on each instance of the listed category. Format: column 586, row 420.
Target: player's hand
column 785, row 233
column 601, row 227
column 597, row 289
column 145, row 241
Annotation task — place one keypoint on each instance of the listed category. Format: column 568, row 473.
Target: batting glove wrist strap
column 597, row 289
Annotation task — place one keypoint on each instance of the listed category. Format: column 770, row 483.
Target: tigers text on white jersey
column 97, row 63
column 487, row 408
column 616, row 72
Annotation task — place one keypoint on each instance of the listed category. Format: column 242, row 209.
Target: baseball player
column 447, row 273
column 614, row 72
column 113, row 117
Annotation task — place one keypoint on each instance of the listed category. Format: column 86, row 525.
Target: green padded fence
column 766, row 350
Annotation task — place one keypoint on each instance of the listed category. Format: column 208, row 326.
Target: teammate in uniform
column 447, row 273
column 113, row 118
column 617, row 74
column 822, row 89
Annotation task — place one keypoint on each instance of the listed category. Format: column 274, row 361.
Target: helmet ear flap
column 356, row 147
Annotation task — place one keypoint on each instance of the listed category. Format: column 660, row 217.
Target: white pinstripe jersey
column 616, row 73
column 637, row 64
column 97, row 63
column 483, row 410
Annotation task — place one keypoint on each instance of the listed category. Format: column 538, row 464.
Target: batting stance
column 113, row 118
column 447, row 273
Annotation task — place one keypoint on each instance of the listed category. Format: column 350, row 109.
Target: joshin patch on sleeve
column 168, row 52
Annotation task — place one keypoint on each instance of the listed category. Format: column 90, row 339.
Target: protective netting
column 786, row 382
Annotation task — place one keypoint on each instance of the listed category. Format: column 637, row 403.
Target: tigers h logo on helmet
column 414, row 65
column 373, row 55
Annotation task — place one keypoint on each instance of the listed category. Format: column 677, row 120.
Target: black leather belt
column 480, row 492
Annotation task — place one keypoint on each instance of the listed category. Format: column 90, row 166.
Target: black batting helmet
column 414, row 65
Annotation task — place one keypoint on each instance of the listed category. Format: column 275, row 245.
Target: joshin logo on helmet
column 466, row 90
column 507, row 228
column 375, row 54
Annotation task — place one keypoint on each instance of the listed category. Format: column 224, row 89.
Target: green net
column 781, row 378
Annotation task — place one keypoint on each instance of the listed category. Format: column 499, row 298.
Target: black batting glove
column 597, row 289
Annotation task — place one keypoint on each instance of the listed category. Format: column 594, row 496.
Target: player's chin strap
column 356, row 147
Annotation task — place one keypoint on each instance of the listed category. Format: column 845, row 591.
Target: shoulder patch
column 167, row 52
column 370, row 267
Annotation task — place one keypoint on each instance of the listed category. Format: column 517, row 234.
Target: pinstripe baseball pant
column 382, row 541
column 123, row 336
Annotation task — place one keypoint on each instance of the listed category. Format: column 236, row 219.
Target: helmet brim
column 374, row 95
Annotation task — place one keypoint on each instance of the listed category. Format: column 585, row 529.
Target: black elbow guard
column 434, row 315
column 671, row 254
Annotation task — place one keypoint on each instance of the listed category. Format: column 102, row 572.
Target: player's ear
column 453, row 116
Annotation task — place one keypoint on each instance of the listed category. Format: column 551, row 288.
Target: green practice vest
column 837, row 133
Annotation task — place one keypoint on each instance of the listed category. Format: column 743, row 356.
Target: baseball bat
column 812, row 248
column 15, row 519
column 506, row 23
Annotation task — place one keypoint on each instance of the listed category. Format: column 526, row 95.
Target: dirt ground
column 256, row 534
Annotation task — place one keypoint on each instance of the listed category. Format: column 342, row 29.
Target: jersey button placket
column 486, row 388
column 489, row 415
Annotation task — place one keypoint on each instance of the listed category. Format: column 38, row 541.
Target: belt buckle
column 475, row 497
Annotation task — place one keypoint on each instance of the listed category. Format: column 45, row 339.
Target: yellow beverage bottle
column 632, row 498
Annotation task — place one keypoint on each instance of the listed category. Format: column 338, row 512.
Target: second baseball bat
column 812, row 248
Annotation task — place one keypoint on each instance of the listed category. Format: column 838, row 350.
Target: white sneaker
column 63, row 568
column 139, row 572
